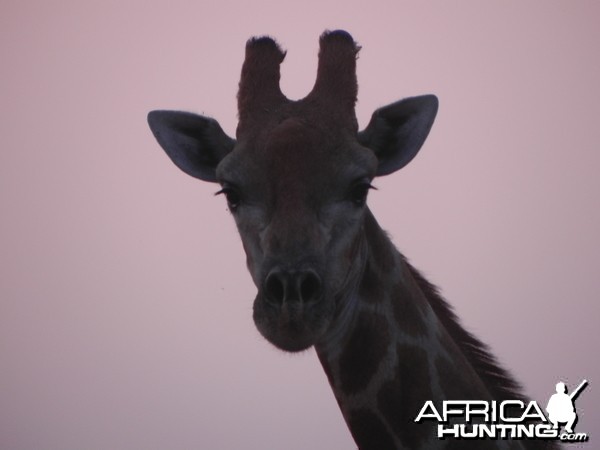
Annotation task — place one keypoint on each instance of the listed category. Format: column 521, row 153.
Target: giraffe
column 296, row 180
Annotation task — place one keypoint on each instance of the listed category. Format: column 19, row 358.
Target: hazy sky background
column 125, row 305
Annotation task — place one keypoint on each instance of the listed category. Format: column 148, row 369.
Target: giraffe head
column 296, row 180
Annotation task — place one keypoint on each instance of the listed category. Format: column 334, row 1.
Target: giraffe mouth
column 292, row 326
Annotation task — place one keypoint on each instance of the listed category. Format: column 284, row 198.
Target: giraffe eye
column 232, row 196
column 358, row 193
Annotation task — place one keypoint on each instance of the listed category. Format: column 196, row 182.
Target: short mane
column 499, row 381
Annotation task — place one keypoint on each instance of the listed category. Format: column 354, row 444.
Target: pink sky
column 125, row 305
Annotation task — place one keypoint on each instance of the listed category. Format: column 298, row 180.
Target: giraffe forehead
column 294, row 148
column 303, row 154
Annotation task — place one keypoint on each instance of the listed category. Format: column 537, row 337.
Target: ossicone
column 259, row 83
column 336, row 83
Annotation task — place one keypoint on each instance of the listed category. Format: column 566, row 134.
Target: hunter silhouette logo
column 506, row 419
column 561, row 408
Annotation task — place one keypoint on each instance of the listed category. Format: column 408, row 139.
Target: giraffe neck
column 388, row 352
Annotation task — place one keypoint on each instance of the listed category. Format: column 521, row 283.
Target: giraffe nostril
column 294, row 286
column 309, row 286
column 275, row 288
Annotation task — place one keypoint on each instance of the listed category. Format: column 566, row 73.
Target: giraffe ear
column 396, row 132
column 196, row 144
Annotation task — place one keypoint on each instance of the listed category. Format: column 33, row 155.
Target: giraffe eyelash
column 358, row 192
column 232, row 195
